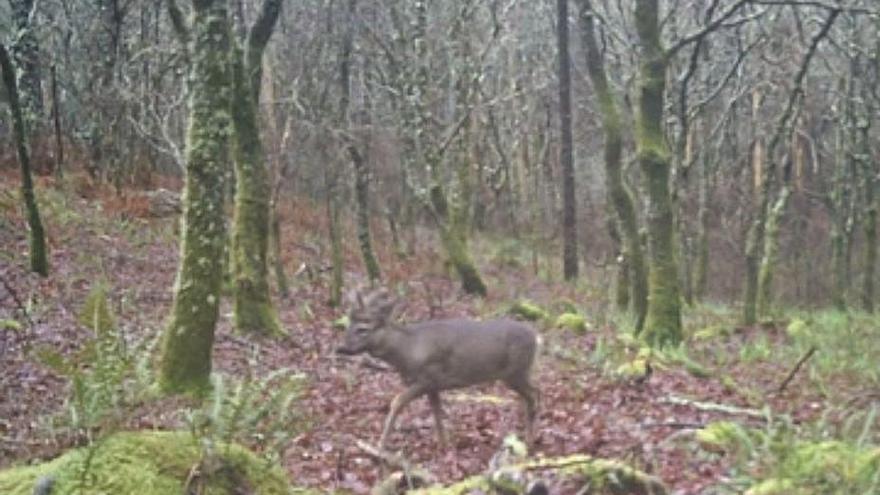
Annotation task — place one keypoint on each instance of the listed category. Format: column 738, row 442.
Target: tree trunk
column 566, row 156
column 38, row 256
column 869, row 220
column 756, row 238
column 26, row 53
column 663, row 321
column 185, row 365
column 358, row 160
column 771, row 249
column 620, row 196
column 701, row 270
column 252, row 303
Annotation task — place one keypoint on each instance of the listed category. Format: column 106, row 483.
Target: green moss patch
column 148, row 463
column 529, row 311
column 572, row 321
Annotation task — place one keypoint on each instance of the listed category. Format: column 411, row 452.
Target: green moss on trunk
column 185, row 363
column 252, row 304
column 771, row 249
column 663, row 320
column 39, row 260
column 621, row 198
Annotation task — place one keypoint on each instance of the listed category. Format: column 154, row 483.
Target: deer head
column 368, row 316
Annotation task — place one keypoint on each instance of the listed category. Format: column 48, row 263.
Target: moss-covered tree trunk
column 756, row 237
column 453, row 224
column 39, row 260
column 26, row 53
column 771, row 250
column 185, row 363
column 621, row 198
column 252, row 303
column 358, row 160
column 663, row 320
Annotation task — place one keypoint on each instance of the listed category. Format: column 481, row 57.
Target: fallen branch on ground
column 796, row 368
column 714, row 407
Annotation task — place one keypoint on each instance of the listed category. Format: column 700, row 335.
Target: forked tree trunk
column 185, row 363
column 621, row 199
column 663, row 320
column 252, row 308
column 38, row 257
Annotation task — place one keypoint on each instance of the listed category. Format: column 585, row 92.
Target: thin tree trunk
column 869, row 220
column 38, row 251
column 701, row 270
column 358, row 160
column 566, row 156
column 56, row 121
column 185, row 363
column 771, row 250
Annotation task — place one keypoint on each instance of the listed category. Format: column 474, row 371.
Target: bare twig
column 796, row 368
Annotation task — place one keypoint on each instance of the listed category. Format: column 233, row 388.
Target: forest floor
column 98, row 237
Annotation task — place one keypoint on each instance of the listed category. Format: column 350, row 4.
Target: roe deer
column 437, row 355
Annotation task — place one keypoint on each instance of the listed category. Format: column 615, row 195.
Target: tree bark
column 38, row 252
column 358, row 160
column 621, row 198
column 663, row 320
column 26, row 53
column 253, row 311
column 566, row 156
column 185, row 363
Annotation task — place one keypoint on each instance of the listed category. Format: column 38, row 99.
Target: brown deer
column 437, row 355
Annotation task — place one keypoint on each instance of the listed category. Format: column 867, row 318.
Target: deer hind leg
column 437, row 410
column 530, row 395
column 397, row 405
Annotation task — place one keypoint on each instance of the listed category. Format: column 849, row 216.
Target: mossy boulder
column 528, row 311
column 797, row 328
column 148, row 463
column 572, row 321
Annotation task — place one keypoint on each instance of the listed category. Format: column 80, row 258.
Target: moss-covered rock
column 572, row 321
column 529, row 311
column 721, row 436
column 797, row 328
column 147, row 463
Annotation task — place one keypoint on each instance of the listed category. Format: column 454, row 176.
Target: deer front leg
column 397, row 405
column 437, row 410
